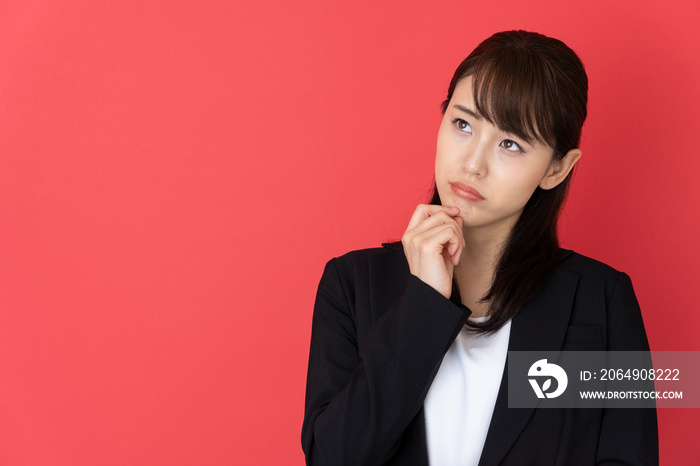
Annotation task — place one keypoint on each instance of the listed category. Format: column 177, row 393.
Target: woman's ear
column 559, row 169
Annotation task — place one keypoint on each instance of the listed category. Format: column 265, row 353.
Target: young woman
column 409, row 341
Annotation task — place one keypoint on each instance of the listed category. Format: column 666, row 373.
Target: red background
column 175, row 174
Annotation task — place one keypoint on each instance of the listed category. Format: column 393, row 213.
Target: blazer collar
column 541, row 324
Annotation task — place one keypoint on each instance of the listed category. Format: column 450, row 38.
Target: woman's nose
column 476, row 159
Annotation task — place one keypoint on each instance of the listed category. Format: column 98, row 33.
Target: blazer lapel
column 540, row 325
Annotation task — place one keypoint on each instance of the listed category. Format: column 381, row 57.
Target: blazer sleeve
column 361, row 395
column 628, row 436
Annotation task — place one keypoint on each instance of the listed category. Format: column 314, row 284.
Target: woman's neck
column 477, row 265
column 483, row 250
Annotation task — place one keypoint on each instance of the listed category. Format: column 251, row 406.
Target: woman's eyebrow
column 471, row 113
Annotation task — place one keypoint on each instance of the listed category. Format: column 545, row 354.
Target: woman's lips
column 466, row 192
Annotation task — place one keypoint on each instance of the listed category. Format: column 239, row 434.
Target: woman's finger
column 424, row 211
column 438, row 219
column 443, row 237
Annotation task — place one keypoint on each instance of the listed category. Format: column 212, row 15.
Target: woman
column 409, row 341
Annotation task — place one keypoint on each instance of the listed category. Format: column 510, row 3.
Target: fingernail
column 454, row 209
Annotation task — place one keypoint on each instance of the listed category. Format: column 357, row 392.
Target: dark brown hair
column 535, row 87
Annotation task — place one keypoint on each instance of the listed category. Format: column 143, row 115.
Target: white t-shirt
column 460, row 401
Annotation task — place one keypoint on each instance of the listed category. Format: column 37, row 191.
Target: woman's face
column 487, row 173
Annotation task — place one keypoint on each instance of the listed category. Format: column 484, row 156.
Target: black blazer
column 379, row 335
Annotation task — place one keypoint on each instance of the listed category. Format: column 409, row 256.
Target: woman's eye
column 511, row 146
column 462, row 125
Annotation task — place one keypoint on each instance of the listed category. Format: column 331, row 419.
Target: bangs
column 515, row 92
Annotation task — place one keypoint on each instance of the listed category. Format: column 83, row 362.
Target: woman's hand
column 433, row 243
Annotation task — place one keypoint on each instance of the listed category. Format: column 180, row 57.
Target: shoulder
column 386, row 250
column 372, row 273
column 605, row 297
column 586, row 266
column 388, row 256
column 594, row 277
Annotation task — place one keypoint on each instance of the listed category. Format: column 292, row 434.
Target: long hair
column 535, row 87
